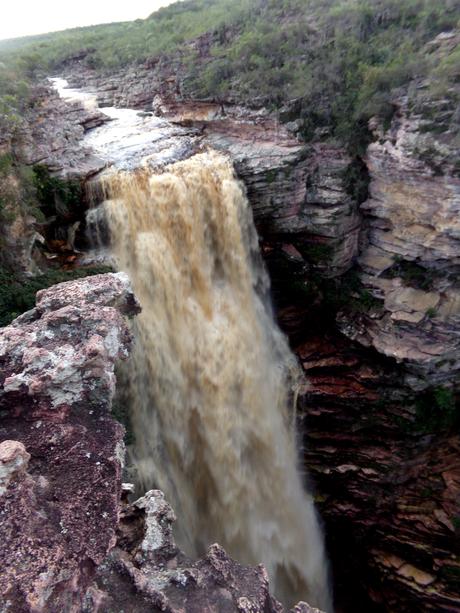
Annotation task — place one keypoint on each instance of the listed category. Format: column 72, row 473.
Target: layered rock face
column 386, row 467
column 410, row 257
column 297, row 192
column 388, row 486
column 68, row 542
column 380, row 422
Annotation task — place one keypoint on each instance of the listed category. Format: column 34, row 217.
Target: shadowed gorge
column 212, row 380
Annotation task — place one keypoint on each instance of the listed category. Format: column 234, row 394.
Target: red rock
column 61, row 455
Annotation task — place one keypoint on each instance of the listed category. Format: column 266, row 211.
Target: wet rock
column 50, row 134
column 303, row 607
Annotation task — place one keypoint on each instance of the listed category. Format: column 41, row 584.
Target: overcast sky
column 24, row 17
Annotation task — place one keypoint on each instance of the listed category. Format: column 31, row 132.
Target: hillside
column 333, row 63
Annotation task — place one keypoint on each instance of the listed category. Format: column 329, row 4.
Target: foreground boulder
column 61, row 455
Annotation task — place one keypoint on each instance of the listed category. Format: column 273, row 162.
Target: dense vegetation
column 336, row 62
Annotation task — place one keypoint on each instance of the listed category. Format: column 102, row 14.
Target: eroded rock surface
column 61, row 452
column 146, row 572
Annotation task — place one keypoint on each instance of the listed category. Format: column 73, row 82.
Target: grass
column 331, row 63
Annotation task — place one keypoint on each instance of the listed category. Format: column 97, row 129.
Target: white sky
column 25, row 17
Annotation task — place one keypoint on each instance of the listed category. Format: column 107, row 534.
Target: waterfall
column 212, row 380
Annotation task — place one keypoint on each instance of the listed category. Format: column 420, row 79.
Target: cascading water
column 211, row 379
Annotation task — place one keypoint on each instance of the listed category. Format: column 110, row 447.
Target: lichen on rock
column 60, row 471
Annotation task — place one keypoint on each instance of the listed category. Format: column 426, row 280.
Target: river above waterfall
column 210, row 388
column 131, row 139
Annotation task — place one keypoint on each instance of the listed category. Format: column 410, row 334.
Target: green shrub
column 318, row 253
column 437, row 410
column 356, row 180
column 412, row 274
column 55, row 196
column 6, row 163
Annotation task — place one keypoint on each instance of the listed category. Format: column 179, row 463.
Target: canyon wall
column 363, row 254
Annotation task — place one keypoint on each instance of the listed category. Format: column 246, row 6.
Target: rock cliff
column 409, row 258
column 61, row 453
